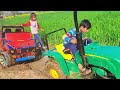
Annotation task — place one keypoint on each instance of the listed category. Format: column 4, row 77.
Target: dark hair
column 85, row 23
column 32, row 14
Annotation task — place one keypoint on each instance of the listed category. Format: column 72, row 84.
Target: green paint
column 58, row 57
column 103, row 56
column 68, row 67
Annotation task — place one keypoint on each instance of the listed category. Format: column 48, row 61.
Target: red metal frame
column 17, row 40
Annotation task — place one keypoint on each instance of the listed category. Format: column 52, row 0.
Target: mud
column 32, row 70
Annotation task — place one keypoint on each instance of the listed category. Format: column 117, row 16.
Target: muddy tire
column 7, row 58
column 13, row 61
column 108, row 75
column 53, row 70
column 1, row 67
column 105, row 77
column 38, row 55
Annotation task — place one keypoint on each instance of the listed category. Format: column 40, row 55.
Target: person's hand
column 42, row 30
column 84, row 38
column 74, row 40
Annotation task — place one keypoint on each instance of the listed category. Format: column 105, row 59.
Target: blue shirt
column 71, row 33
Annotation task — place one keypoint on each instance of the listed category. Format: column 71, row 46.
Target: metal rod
column 80, row 46
column 57, row 31
column 46, row 35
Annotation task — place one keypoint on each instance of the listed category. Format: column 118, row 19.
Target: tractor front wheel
column 54, row 71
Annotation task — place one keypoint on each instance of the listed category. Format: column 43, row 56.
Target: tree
column 14, row 13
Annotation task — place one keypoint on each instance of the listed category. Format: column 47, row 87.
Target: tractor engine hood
column 112, row 52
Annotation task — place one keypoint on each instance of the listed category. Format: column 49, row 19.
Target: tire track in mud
column 32, row 70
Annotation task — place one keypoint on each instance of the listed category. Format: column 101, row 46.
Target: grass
column 105, row 25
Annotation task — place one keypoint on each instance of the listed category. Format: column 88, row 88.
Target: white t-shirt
column 34, row 27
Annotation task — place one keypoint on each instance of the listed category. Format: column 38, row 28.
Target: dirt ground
column 32, row 70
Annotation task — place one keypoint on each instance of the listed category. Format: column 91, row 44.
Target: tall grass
column 105, row 25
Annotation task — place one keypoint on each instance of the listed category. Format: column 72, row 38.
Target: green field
column 105, row 25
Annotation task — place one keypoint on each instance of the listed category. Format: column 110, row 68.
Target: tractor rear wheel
column 53, row 70
column 108, row 76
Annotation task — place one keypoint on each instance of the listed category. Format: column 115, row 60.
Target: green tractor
column 104, row 61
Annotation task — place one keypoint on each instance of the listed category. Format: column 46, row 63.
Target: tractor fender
column 116, row 67
column 58, row 57
column 110, row 64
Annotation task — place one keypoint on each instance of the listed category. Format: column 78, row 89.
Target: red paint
column 21, row 39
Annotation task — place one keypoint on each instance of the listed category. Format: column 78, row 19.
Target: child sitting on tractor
column 34, row 26
column 70, row 41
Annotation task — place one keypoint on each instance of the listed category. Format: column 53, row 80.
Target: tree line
column 13, row 13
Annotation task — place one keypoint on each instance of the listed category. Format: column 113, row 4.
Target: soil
column 31, row 70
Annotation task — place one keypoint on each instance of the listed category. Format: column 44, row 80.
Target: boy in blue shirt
column 70, row 41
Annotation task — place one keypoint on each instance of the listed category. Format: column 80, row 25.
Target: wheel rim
column 54, row 73
column 2, row 61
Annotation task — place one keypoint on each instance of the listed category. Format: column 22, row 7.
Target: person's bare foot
column 85, row 71
column 44, row 47
column 80, row 67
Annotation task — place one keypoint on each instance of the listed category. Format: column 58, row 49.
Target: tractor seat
column 66, row 56
column 67, row 51
column 7, row 30
column 18, row 30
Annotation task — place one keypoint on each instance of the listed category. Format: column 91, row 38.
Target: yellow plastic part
column 54, row 74
column 59, row 48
